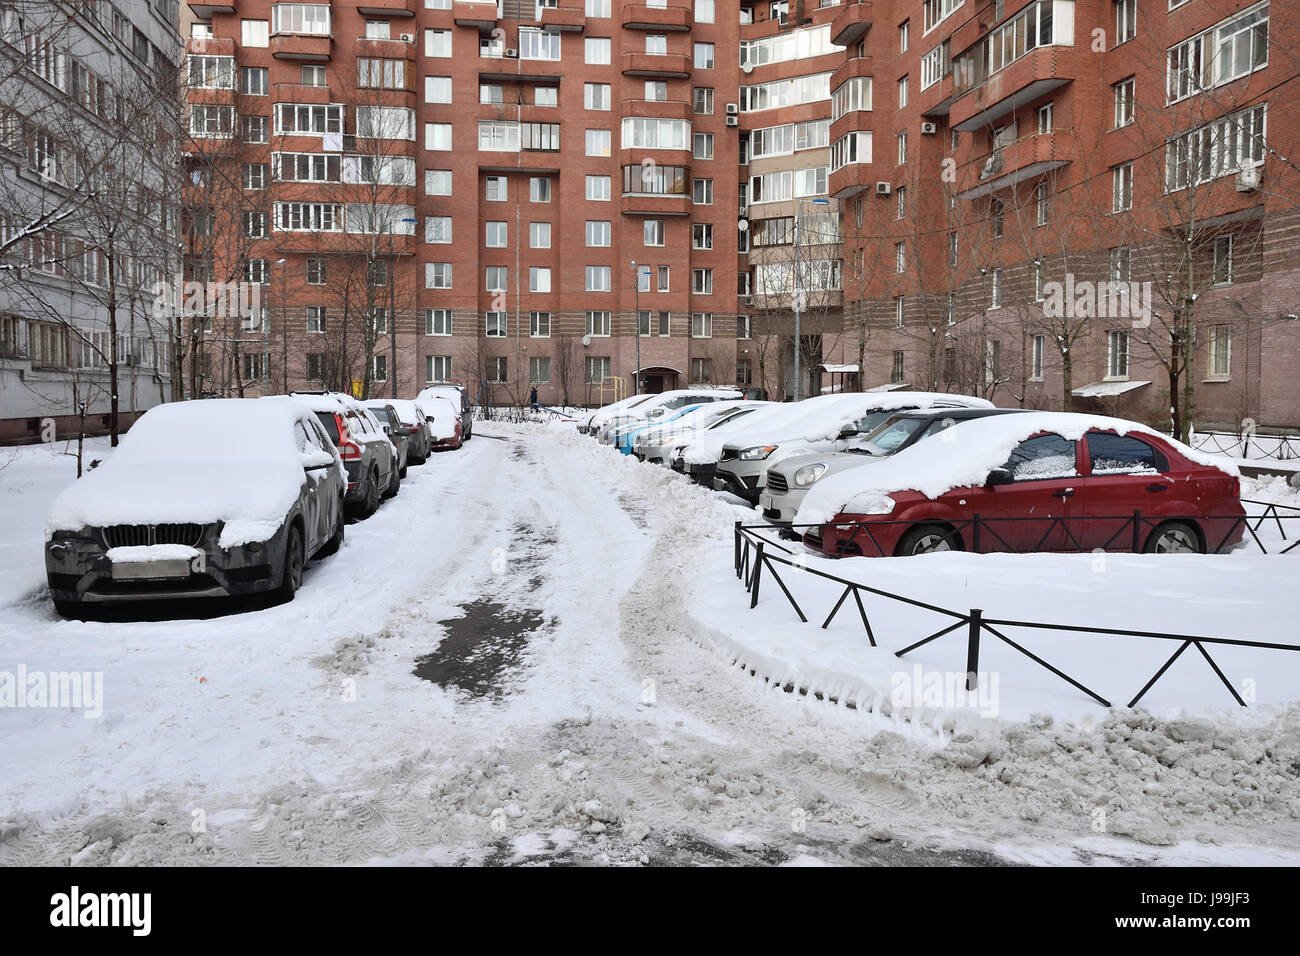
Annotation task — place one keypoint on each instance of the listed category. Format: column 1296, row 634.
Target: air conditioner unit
column 883, row 189
column 408, row 37
column 512, row 54
column 929, row 129
column 733, row 109
column 733, row 120
column 1249, row 178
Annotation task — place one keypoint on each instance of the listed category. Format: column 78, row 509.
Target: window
column 1038, row 281
column 702, row 100
column 1123, row 102
column 702, row 281
column 539, row 279
column 1117, row 355
column 598, row 233
column 597, row 279
column 539, row 189
column 1125, row 20
column 851, row 97
column 252, row 80
column 701, row 325
column 598, row 142
column 1111, row 454
column 437, row 275
column 379, row 320
column 596, row 50
column 437, row 137
column 496, row 235
column 437, row 89
column 900, row 199
column 598, row 369
column 936, row 11
column 437, row 182
column 703, row 146
column 1220, row 357
column 900, row 257
column 598, row 324
column 598, row 188
column 206, row 122
column 598, row 8
column 704, row 11
column 495, row 325
column 899, row 311
column 1228, row 51
column 1036, row 346
column 643, row 279
column 537, row 44
column 792, row 92
column 702, row 370
column 952, row 248
column 656, row 91
column 256, row 367
column 664, row 272
column 1040, row 204
column 539, row 369
column 652, row 232
column 904, row 35
column 896, row 369
column 315, row 318
column 1041, row 458
column 902, row 148
column 702, row 235
column 497, row 369
column 902, row 92
column 437, row 368
column 254, row 129
column 539, row 235
column 316, row 272
column 254, row 222
column 546, row 96
column 652, row 133
column 1121, row 258
column 995, row 289
column 437, row 321
column 539, row 325
column 310, row 18
column 308, row 217
column 1122, row 187
column 254, row 33
column 1222, row 259
column 1222, row 147
column 255, row 175
column 378, row 30
column 702, row 192
column 595, row 96
column 496, row 188
column 744, row 327
column 437, row 43
column 437, row 229
column 315, row 366
column 311, row 75
column 496, row 278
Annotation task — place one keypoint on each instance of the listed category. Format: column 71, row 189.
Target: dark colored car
column 369, row 457
column 1054, row 493
column 206, row 498
column 399, row 433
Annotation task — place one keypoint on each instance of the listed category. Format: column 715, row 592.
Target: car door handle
column 1155, row 488
column 1063, row 493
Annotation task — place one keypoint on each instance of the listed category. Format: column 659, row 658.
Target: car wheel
column 402, row 473
column 1175, row 537
column 294, row 561
column 926, row 538
column 394, row 484
column 336, row 540
column 372, row 494
column 69, row 609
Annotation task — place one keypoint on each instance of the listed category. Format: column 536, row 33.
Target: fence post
column 975, row 535
column 736, row 548
column 756, row 574
column 973, row 648
column 1137, row 532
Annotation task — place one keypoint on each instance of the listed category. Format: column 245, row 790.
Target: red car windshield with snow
column 1109, row 491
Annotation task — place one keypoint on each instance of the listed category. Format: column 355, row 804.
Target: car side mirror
column 316, row 460
column 388, row 429
column 848, row 431
column 1000, row 476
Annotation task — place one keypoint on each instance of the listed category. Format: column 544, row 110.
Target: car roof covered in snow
column 964, row 456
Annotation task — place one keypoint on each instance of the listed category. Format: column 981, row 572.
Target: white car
column 458, row 395
column 656, row 443
column 657, row 406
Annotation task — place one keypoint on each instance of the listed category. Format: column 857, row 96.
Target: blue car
column 625, row 437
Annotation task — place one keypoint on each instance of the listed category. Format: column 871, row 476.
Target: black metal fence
column 1264, row 447
column 758, row 553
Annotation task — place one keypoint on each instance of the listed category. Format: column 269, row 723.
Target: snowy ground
column 593, row 689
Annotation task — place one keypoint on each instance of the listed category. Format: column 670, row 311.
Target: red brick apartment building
column 1089, row 203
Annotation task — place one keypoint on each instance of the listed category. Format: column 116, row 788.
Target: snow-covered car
column 788, row 480
column 398, row 433
column 443, row 416
column 368, row 455
column 405, row 417
column 625, row 435
column 816, row 424
column 206, row 498
column 696, row 456
column 459, row 396
column 656, row 443
column 592, row 422
column 657, row 406
column 1038, row 481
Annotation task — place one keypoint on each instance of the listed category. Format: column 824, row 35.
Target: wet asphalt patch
column 481, row 650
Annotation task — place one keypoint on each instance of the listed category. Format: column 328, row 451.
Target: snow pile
column 963, row 457
column 230, row 460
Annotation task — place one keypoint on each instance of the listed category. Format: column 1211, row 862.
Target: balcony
column 671, row 65
column 1034, row 75
column 386, row 49
column 852, row 23
column 301, row 93
column 658, row 109
column 388, row 8
column 217, row 46
column 655, row 205
column 564, row 19
column 1025, row 159
column 206, row 11
column 301, row 46
column 856, row 121
column 663, row 158
column 851, row 69
column 676, row 17
column 533, row 161
column 517, row 70
column 480, row 14
column 852, row 179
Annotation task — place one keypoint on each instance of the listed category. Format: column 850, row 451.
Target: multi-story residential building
column 1082, row 203
column 88, row 212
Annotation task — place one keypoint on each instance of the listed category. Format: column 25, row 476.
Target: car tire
column 926, row 538
column 72, row 610
column 295, row 559
column 336, row 540
column 394, row 484
column 1174, row 537
column 372, row 494
column 402, row 473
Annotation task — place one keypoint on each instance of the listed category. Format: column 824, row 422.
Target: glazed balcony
column 1034, row 75
column 855, row 121
column 851, row 69
column 852, row 23
column 307, row 48
column 654, row 205
column 386, row 49
column 1028, row 158
column 670, row 65
column 676, row 17
column 658, row 109
column 566, row 19
column 480, row 14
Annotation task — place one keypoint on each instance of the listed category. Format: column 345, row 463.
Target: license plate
column 151, row 570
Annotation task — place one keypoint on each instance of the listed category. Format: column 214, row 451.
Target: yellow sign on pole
column 358, row 388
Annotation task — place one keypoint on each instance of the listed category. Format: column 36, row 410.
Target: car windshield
column 873, row 420
column 890, row 436
column 382, row 415
column 330, row 424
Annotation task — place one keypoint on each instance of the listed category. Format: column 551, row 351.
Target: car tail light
column 348, row 449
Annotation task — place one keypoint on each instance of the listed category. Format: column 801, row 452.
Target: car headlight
column 808, row 474
column 757, row 453
column 874, row 504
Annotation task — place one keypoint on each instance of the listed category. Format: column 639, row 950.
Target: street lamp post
column 392, row 312
column 636, row 291
column 798, row 297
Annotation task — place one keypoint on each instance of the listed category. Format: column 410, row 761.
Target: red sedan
column 1088, row 483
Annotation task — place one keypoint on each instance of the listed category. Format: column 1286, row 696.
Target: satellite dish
column 743, row 225
column 586, row 340
column 748, row 68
